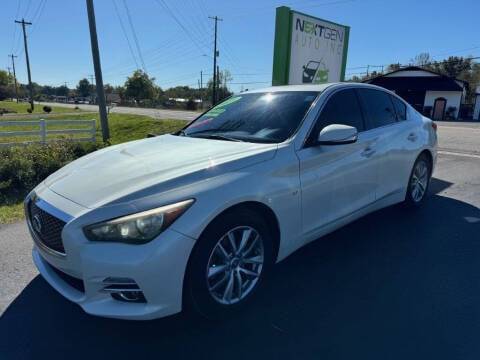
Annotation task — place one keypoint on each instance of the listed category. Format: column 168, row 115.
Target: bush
column 47, row 109
column 22, row 168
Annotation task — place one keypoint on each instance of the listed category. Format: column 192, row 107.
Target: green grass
column 123, row 128
column 127, row 127
column 11, row 212
column 21, row 108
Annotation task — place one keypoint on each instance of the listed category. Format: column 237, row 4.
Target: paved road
column 459, row 136
column 393, row 285
column 155, row 113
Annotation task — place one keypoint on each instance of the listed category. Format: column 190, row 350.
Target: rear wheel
column 229, row 263
column 419, row 181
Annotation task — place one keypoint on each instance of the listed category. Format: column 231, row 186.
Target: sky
column 175, row 38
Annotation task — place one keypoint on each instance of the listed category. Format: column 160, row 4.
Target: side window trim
column 366, row 116
column 397, row 120
column 362, row 111
column 401, row 101
column 308, row 138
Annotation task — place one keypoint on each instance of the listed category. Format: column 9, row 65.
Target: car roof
column 312, row 87
column 307, row 87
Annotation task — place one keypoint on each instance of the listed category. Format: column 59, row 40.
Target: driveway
column 394, row 285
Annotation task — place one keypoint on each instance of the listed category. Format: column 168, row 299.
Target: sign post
column 308, row 50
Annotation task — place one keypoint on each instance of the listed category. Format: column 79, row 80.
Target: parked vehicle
column 196, row 219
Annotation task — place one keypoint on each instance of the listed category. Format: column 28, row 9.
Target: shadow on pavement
column 394, row 285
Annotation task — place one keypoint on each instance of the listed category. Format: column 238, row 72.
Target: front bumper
column 159, row 276
column 157, row 267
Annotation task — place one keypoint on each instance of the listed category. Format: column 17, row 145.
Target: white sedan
column 196, row 219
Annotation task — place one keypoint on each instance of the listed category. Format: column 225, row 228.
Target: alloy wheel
column 419, row 181
column 235, row 265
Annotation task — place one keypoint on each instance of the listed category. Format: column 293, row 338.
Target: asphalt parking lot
column 393, row 285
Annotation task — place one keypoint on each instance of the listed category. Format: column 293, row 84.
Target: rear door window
column 400, row 108
column 378, row 107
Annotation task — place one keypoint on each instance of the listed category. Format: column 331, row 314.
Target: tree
column 182, row 92
column 62, row 91
column 140, row 86
column 48, row 90
column 5, row 89
column 454, row 66
column 393, row 67
column 224, row 77
column 422, row 59
column 109, row 89
column 84, row 88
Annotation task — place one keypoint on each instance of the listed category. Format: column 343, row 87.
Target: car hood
column 159, row 164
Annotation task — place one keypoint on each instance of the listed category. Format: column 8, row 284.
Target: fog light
column 124, row 289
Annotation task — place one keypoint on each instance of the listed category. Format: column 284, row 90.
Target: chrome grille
column 46, row 227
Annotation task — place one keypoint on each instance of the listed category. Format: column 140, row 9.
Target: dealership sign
column 308, row 50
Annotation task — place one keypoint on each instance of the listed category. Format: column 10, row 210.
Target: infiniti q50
column 197, row 218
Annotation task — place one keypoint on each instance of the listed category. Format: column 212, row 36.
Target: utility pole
column 9, row 76
column 14, row 75
column 30, row 86
column 98, row 71
column 218, row 81
column 215, row 54
column 201, row 88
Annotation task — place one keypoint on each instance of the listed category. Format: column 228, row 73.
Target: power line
column 14, row 42
column 162, row 4
column 37, row 15
column 423, row 65
column 27, row 8
column 137, row 45
column 125, row 33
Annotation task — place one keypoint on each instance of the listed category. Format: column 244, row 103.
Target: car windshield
column 256, row 117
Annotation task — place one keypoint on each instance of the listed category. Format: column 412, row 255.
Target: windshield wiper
column 181, row 133
column 216, row 137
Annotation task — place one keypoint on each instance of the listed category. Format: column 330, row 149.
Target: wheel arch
column 429, row 156
column 255, row 206
column 260, row 208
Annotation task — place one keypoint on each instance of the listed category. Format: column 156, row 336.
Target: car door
column 390, row 134
column 336, row 180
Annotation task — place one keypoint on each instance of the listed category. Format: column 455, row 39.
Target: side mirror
column 337, row 134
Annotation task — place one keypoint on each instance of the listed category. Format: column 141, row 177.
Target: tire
column 419, row 179
column 210, row 272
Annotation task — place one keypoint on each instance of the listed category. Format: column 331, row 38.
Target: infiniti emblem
column 37, row 224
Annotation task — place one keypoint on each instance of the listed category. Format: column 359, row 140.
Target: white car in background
column 197, row 218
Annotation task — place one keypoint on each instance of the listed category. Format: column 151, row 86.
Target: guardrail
column 43, row 132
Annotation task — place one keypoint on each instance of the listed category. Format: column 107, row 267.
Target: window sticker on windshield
column 217, row 110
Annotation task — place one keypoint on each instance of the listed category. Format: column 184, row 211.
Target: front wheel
column 229, row 263
column 419, row 181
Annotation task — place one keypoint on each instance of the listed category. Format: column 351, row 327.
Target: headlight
column 137, row 228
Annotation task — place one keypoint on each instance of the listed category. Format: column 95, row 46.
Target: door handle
column 412, row 137
column 368, row 152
